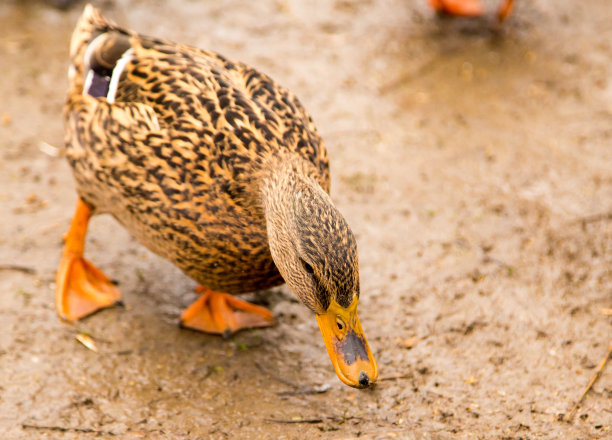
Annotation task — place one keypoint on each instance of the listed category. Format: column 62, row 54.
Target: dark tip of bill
column 364, row 380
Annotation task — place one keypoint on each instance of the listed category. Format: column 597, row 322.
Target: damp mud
column 473, row 164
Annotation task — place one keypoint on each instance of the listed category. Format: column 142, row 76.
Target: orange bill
column 347, row 345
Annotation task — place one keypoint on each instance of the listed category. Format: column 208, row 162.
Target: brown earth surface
column 474, row 166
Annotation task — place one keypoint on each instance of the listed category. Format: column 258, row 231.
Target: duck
column 470, row 8
column 216, row 167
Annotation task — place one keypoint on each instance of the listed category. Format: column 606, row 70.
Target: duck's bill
column 347, row 345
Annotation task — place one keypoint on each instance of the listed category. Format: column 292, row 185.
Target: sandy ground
column 474, row 167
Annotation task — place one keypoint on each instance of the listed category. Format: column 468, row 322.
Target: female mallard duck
column 212, row 165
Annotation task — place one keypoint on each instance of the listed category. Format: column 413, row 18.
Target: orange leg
column 223, row 314
column 504, row 10
column 462, row 8
column 81, row 288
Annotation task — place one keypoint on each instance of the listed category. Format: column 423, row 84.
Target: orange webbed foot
column 223, row 314
column 81, row 289
column 461, row 8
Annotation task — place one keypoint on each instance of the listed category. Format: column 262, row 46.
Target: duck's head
column 316, row 253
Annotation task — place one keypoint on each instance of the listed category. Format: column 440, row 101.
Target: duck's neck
column 287, row 179
column 293, row 203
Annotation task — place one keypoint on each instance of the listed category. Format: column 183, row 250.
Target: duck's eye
column 307, row 267
column 340, row 323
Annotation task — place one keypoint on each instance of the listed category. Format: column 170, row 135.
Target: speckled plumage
column 186, row 157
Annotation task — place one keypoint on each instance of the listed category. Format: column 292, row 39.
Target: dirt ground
column 474, row 166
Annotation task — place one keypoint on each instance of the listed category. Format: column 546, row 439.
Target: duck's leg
column 504, row 10
column 462, row 8
column 223, row 314
column 81, row 288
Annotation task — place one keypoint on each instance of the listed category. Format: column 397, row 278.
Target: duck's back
column 169, row 139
